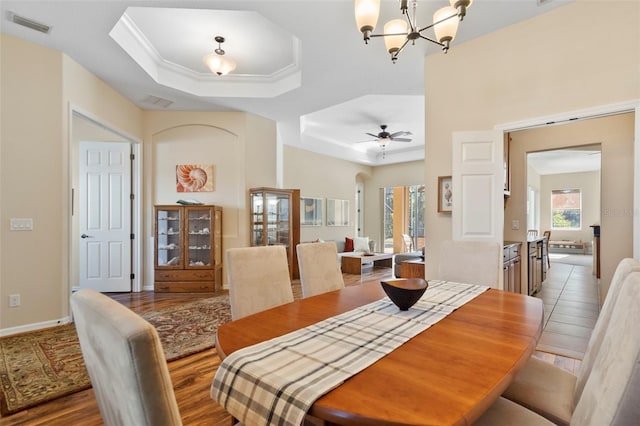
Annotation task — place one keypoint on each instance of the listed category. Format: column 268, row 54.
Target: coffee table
column 353, row 263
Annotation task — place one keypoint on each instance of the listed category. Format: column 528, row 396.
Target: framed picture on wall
column 445, row 196
column 337, row 212
column 310, row 211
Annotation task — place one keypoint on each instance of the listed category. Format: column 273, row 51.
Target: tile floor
column 570, row 297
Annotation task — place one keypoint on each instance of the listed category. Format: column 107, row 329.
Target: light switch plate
column 21, row 224
column 515, row 224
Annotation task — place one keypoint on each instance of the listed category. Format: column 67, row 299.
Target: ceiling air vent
column 29, row 23
column 154, row 100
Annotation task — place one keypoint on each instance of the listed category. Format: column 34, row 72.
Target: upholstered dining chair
column 474, row 262
column 407, row 242
column 125, row 361
column 607, row 387
column 319, row 268
column 258, row 279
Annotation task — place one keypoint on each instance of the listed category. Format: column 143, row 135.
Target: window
column 566, row 209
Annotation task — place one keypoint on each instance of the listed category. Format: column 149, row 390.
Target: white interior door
column 105, row 216
column 478, row 186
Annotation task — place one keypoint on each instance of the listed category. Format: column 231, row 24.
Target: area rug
column 43, row 365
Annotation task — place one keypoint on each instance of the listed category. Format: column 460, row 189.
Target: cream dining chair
column 125, row 361
column 474, row 262
column 319, row 268
column 258, row 279
column 609, row 376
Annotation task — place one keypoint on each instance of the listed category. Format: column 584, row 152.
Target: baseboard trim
column 33, row 327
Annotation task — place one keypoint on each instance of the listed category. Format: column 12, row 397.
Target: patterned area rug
column 39, row 366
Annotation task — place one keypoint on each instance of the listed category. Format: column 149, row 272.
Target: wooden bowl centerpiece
column 404, row 292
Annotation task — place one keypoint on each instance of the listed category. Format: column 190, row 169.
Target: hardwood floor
column 191, row 376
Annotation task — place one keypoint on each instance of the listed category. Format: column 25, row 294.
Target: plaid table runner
column 276, row 382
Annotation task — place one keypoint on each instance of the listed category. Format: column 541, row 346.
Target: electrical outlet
column 14, row 300
column 515, row 224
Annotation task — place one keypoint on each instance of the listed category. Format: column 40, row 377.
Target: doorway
column 85, row 127
column 563, row 197
column 403, row 218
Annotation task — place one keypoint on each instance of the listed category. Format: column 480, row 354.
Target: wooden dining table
column 447, row 375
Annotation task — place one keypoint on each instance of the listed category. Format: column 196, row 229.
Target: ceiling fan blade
column 372, row 135
column 401, row 133
column 368, row 140
column 401, row 139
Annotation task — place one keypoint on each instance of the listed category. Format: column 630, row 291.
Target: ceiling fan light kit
column 217, row 62
column 384, row 138
column 399, row 32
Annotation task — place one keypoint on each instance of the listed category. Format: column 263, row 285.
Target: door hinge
column 132, row 236
column 132, row 276
column 132, row 156
column 131, row 196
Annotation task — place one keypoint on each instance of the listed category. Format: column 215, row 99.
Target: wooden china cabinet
column 275, row 220
column 188, row 248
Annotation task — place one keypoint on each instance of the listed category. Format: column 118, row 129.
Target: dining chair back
column 319, row 268
column 258, row 279
column 125, row 361
column 611, row 395
column 474, row 262
column 624, row 268
column 554, row 392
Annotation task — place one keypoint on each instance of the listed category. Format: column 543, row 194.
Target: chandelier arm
column 391, row 34
column 436, row 23
column 432, row 41
column 396, row 53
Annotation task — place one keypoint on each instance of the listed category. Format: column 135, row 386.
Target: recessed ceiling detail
column 169, row 43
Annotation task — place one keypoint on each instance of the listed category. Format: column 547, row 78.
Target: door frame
column 136, row 190
column 586, row 114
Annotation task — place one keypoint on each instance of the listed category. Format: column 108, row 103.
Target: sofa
column 361, row 245
column 403, row 257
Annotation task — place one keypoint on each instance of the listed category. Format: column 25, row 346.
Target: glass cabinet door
column 278, row 219
column 168, row 242
column 198, row 231
column 257, row 219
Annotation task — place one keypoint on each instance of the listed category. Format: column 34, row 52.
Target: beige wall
column 32, row 143
column 589, row 185
column 320, row 176
column 35, row 176
column 615, row 134
column 241, row 146
column 550, row 64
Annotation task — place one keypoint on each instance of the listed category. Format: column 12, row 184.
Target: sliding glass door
column 403, row 215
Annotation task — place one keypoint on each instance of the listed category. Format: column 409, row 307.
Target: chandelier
column 399, row 32
column 217, row 62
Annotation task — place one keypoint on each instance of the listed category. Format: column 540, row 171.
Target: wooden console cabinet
column 511, row 266
column 412, row 269
column 275, row 220
column 188, row 248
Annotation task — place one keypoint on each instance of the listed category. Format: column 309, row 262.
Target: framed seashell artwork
column 195, row 178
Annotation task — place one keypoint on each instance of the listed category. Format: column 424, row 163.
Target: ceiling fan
column 383, row 138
